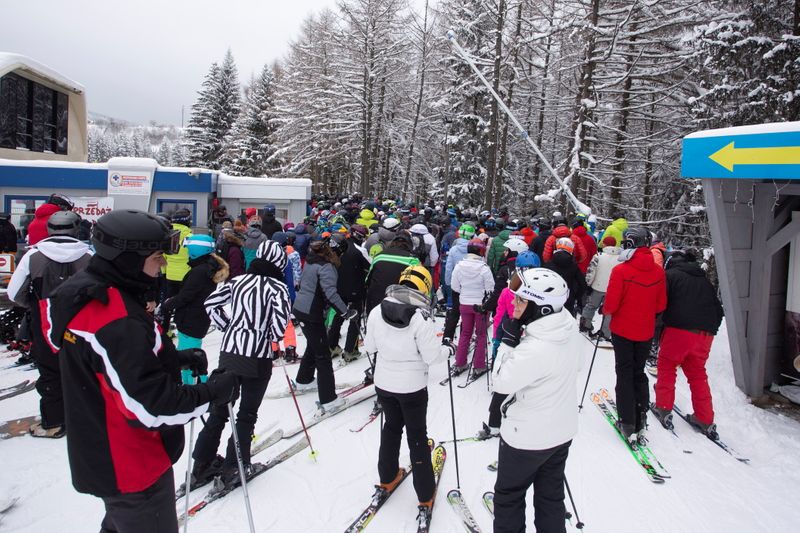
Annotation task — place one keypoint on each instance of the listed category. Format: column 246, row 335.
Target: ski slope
column 709, row 491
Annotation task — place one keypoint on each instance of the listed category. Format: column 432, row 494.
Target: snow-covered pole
column 579, row 206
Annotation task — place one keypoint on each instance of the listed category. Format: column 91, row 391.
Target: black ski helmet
column 62, row 201
column 559, row 220
column 64, row 223
column 636, row 237
column 128, row 230
column 544, row 224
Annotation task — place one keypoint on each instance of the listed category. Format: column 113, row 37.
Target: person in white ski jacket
column 473, row 280
column 401, row 332
column 537, row 368
column 432, row 253
column 597, row 276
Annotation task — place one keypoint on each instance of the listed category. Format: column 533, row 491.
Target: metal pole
column 596, row 344
column 522, row 131
column 242, row 475
column 453, row 417
column 297, row 406
column 188, row 484
column 579, row 524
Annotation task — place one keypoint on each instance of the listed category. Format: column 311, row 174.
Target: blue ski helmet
column 527, row 260
column 199, row 245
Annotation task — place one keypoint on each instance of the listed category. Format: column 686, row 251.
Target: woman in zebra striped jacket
column 259, row 303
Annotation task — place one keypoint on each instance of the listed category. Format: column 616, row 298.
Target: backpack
column 53, row 275
column 420, row 250
column 376, row 248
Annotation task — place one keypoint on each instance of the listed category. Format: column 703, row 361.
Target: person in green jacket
column 178, row 264
column 367, row 219
column 496, row 250
column 616, row 229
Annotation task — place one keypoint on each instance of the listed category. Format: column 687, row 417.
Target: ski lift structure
column 751, row 182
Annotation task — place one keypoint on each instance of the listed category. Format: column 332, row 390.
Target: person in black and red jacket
column 123, row 399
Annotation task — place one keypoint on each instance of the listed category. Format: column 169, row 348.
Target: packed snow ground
column 709, row 491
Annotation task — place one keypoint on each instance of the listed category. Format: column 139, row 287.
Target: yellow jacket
column 178, row 264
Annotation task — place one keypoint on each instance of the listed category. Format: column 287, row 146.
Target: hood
column 231, row 237
column 419, row 229
column 527, row 232
column 474, row 263
column 692, row 268
column 280, row 237
column 254, row 233
column 300, row 229
column 314, row 258
column 561, row 231
column 396, row 313
column 620, row 223
column 45, row 210
column 219, row 267
column 460, row 245
column 367, row 214
column 503, row 235
column 611, row 250
column 555, row 328
column 562, row 259
column 63, row 249
column 386, row 235
column 580, row 231
column 659, row 246
column 642, row 259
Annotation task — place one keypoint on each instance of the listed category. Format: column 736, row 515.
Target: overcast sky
column 141, row 60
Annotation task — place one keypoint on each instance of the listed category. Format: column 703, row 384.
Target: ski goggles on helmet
column 170, row 244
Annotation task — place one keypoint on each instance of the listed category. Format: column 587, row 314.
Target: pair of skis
column 16, row 390
column 733, row 453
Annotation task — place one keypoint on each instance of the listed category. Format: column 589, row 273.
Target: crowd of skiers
column 522, row 290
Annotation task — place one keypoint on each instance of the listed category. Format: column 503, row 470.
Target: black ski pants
column 494, row 409
column 151, row 510
column 409, row 410
column 633, row 393
column 517, row 470
column 251, row 395
column 452, row 317
column 334, row 332
column 317, row 357
column 51, row 401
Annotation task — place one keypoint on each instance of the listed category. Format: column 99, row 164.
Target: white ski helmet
column 516, row 244
column 544, row 288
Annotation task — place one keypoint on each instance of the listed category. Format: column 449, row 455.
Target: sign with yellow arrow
column 762, row 155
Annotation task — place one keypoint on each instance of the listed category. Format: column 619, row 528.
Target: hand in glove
column 447, row 350
column 195, row 360
column 349, row 314
column 224, row 387
column 511, row 332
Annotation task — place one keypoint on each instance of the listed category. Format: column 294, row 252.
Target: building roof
column 10, row 62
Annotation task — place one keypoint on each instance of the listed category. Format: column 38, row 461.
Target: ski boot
column 389, row 487
column 205, row 471
column 24, row 359
column 424, row 511
column 304, row 387
column 709, row 430
column 369, row 378
column 487, row 432
column 584, row 326
column 36, row 430
column 641, row 429
column 456, row 371
column 477, row 373
column 336, row 351
column 349, row 357
column 627, row 431
column 664, row 416
column 229, row 479
column 290, row 355
column 329, row 408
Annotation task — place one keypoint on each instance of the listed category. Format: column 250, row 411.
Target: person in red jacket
column 560, row 229
column 37, row 229
column 579, row 231
column 637, row 292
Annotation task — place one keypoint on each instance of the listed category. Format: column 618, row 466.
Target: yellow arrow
column 729, row 156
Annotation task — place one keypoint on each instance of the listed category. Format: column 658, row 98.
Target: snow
column 10, row 62
column 709, row 491
column 774, row 127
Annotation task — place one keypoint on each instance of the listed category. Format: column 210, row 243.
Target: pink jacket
column 505, row 306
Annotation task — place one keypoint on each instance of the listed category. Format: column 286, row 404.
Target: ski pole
column 578, row 524
column 586, row 386
column 242, row 475
column 453, row 417
column 189, row 380
column 297, row 406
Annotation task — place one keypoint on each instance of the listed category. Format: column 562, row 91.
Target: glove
column 447, row 350
column 349, row 314
column 478, row 308
column 224, row 387
column 195, row 360
column 511, row 331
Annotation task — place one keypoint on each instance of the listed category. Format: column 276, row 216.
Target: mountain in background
column 113, row 137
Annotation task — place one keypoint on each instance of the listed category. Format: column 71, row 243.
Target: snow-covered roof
column 48, row 163
column 773, row 127
column 9, row 62
column 289, row 182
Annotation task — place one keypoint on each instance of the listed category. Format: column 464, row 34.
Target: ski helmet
column 490, row 223
column 390, row 223
column 199, row 245
column 559, row 220
column 565, row 244
column 636, row 237
column 61, row 200
column 128, row 230
column 338, row 243
column 527, row 259
column 544, row 224
column 272, row 252
column 269, row 209
column 182, row 216
column 63, row 223
column 476, row 246
column 516, row 244
column 466, row 231
column 545, row 291
column 418, row 278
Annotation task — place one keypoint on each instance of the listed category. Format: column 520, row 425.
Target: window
column 32, row 117
column 170, row 206
column 281, row 214
column 22, row 209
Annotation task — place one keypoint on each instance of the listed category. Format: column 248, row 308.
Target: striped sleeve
column 215, row 306
column 281, row 311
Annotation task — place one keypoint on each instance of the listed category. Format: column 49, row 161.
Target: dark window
column 32, row 116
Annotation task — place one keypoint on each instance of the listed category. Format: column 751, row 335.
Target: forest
column 372, row 97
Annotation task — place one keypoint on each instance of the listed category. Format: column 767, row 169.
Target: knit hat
column 199, row 245
column 610, row 241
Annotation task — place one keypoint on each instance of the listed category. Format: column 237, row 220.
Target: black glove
column 478, row 308
column 195, row 360
column 511, row 331
column 224, row 387
column 349, row 314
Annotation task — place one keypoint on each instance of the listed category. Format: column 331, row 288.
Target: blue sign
column 765, row 155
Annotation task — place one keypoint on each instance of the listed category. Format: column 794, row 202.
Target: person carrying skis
column 537, row 368
column 259, row 312
column 317, row 290
column 124, row 403
column 637, row 292
column 473, row 281
column 43, row 269
column 401, row 332
column 691, row 320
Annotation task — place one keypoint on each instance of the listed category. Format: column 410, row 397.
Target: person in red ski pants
column 687, row 349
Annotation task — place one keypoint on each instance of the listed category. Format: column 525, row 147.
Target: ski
column 671, row 431
column 18, row 427
column 376, row 412
column 455, row 374
column 603, row 345
column 488, row 502
column 286, row 393
column 736, row 455
column 16, row 390
column 472, row 377
column 379, row 497
column 260, row 442
column 438, row 457
column 648, row 468
column 648, row 453
column 258, row 468
column 476, row 438
column 492, row 467
column 456, row 501
column 314, row 420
